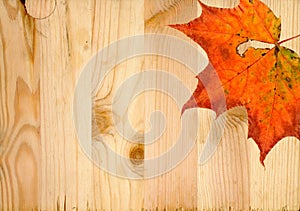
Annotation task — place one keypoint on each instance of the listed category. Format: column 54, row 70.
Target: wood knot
column 103, row 119
column 136, row 154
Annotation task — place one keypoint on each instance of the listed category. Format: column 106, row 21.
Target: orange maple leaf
column 264, row 81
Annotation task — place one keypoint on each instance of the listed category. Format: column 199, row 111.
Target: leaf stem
column 283, row 41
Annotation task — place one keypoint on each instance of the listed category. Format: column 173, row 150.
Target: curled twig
column 23, row 2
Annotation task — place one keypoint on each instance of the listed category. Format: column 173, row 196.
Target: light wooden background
column 43, row 167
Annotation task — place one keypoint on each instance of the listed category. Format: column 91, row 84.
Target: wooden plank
column 114, row 20
column 20, row 151
column 177, row 188
column 45, row 45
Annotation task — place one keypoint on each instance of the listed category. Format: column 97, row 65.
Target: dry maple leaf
column 265, row 81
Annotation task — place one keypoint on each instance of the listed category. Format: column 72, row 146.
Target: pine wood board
column 44, row 48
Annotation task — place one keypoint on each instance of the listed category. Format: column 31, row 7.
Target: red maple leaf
column 265, row 81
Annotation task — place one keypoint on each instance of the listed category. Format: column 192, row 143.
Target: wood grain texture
column 20, row 152
column 44, row 46
column 177, row 189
